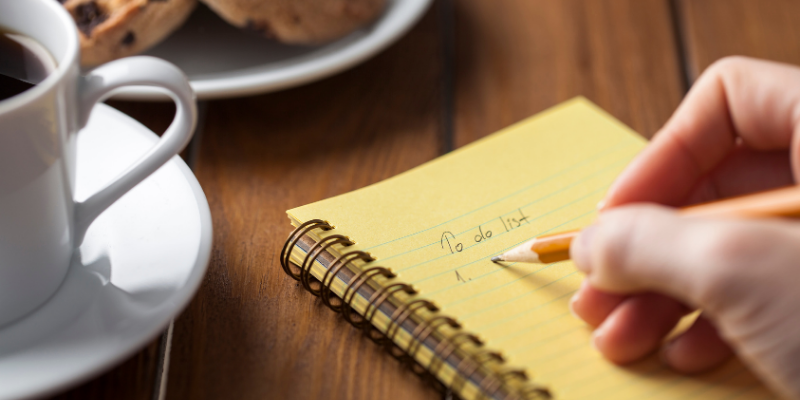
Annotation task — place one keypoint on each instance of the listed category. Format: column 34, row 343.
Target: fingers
column 592, row 305
column 640, row 248
column 698, row 349
column 735, row 98
column 630, row 326
column 636, row 327
column 742, row 273
column 706, row 263
column 743, row 171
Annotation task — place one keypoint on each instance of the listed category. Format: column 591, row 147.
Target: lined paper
column 437, row 226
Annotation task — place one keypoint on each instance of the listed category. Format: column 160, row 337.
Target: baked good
column 299, row 21
column 110, row 29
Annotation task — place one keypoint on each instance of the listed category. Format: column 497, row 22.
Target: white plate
column 141, row 263
column 224, row 61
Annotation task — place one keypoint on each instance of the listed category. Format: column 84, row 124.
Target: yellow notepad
column 437, row 226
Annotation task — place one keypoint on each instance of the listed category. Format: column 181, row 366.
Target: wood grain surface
column 468, row 69
column 135, row 379
column 252, row 332
column 713, row 29
column 620, row 54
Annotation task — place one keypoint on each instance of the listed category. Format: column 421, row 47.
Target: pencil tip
column 497, row 259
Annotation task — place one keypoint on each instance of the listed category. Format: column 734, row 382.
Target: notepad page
column 437, row 226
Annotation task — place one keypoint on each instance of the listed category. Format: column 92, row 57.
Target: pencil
column 783, row 202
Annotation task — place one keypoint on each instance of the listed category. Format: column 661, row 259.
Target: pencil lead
column 497, row 259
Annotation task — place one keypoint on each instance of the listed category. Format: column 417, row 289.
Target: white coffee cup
column 40, row 222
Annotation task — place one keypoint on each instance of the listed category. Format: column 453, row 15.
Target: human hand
column 737, row 131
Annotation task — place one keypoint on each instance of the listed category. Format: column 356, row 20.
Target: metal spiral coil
column 337, row 264
column 314, row 252
column 472, row 360
column 294, row 237
column 374, row 304
column 352, row 290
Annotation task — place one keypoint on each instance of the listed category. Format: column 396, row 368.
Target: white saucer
column 224, row 61
column 141, row 263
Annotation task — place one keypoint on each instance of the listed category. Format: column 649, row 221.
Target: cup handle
column 139, row 70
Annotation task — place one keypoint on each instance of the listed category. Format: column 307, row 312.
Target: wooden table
column 467, row 69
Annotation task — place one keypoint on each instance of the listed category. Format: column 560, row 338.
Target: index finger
column 756, row 101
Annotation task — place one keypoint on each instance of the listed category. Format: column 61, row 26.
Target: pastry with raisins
column 299, row 21
column 111, row 29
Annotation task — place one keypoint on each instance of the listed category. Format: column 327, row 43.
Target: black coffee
column 23, row 63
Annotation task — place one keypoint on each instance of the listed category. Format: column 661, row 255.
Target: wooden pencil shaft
column 553, row 247
column 784, row 202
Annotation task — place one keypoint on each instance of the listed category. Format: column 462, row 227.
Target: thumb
column 702, row 262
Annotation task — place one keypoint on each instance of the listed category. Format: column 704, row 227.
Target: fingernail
column 580, row 251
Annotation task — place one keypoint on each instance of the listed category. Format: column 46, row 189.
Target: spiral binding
column 471, row 359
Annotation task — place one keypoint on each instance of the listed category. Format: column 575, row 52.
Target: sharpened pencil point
column 496, row 259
